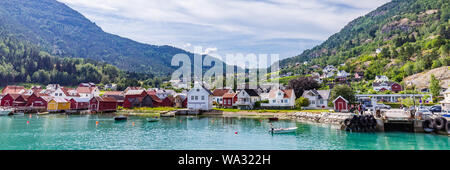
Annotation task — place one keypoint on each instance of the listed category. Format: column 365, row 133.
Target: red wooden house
column 157, row 102
column 132, row 95
column 341, row 104
column 79, row 103
column 168, row 102
column 14, row 100
column 395, row 87
column 229, row 99
column 103, row 104
column 36, row 101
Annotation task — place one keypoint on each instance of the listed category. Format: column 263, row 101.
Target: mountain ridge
column 64, row 32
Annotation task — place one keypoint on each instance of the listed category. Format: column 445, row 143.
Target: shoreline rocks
column 324, row 117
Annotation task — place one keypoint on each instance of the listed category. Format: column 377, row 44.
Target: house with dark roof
column 247, row 98
column 118, row 95
column 318, row 99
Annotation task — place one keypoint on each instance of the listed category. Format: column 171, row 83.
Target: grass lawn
column 151, row 109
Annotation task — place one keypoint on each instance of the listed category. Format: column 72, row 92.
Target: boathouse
column 78, row 103
column 157, row 102
column 14, row 100
column 341, row 104
column 36, row 102
column 118, row 95
column 103, row 104
column 168, row 102
column 58, row 104
column 180, row 101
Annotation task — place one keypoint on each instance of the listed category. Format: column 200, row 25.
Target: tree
column 342, row 90
column 301, row 102
column 434, row 87
column 301, row 84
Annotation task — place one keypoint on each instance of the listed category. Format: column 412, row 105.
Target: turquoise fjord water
column 62, row 132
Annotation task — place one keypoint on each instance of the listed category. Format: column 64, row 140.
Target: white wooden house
column 318, row 99
column 199, row 98
column 247, row 98
column 281, row 98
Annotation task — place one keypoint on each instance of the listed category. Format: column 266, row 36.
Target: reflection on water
column 82, row 132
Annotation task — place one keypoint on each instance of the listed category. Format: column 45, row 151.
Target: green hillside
column 413, row 36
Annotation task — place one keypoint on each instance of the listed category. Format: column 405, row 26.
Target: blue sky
column 285, row 27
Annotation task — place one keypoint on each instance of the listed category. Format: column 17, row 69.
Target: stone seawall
column 325, row 117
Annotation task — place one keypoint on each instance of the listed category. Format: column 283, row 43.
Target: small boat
column 5, row 112
column 43, row 113
column 284, row 130
column 273, row 118
column 18, row 114
column 120, row 118
column 152, row 119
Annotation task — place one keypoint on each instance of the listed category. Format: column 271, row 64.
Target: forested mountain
column 62, row 31
column 411, row 35
column 22, row 62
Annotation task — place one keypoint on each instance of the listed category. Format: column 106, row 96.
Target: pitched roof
column 220, row 92
column 229, row 95
column 59, row 100
column 134, row 92
column 156, row 98
column 389, row 83
column 105, row 99
column 113, row 93
column 251, row 92
column 322, row 94
column 81, row 100
column 83, row 89
column 13, row 89
column 340, row 97
column 287, row 93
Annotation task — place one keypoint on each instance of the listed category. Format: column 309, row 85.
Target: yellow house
column 58, row 104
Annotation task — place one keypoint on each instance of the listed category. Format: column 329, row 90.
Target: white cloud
column 227, row 25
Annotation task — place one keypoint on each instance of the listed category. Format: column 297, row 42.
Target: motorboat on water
column 283, row 130
column 120, row 118
column 5, row 112
column 152, row 119
column 273, row 118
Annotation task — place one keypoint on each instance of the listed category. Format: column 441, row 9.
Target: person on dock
column 359, row 109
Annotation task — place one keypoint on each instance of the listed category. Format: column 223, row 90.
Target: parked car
column 383, row 106
column 367, row 107
column 435, row 109
column 424, row 112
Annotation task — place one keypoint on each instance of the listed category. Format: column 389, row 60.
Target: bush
column 301, row 102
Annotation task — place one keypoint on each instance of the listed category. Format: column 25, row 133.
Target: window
column 321, row 101
column 192, row 97
column 203, row 97
column 286, row 101
column 273, row 101
column 196, row 97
